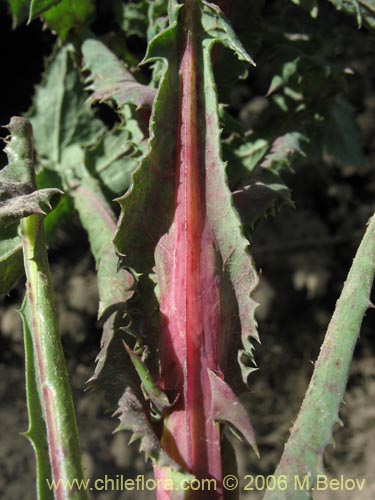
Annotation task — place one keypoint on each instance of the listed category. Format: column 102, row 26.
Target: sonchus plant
column 180, row 233
column 174, row 271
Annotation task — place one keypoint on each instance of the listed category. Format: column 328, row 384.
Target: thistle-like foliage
column 52, row 425
column 312, row 430
column 179, row 229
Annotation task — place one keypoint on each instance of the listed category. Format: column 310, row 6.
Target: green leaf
column 284, row 151
column 312, row 430
column 45, row 179
column 111, row 79
column 261, row 193
column 132, row 18
column 37, row 7
column 117, row 155
column 133, row 418
column 143, row 19
column 342, row 135
column 242, row 156
column 63, row 122
column 69, row 14
column 301, row 81
column 159, row 400
column 19, row 10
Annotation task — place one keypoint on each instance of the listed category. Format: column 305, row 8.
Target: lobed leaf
column 283, row 151
column 111, row 79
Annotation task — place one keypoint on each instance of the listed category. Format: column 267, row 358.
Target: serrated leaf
column 68, row 15
column 227, row 67
column 313, row 427
column 191, row 241
column 18, row 197
column 23, row 10
column 227, row 408
column 111, row 79
column 342, row 135
column 132, row 18
column 261, row 193
column 143, row 19
column 242, row 156
column 158, row 398
column 118, row 154
column 133, row 418
column 61, row 96
column 283, row 151
column 63, row 123
column 37, row 7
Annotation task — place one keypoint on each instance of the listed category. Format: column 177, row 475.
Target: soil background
column 304, row 255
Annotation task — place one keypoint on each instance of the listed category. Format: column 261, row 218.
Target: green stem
column 53, row 387
column 302, row 459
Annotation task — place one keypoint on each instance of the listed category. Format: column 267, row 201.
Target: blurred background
column 303, row 253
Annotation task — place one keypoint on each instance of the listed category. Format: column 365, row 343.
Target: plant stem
column 54, row 390
column 302, row 459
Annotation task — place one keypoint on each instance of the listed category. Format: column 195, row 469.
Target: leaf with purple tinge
column 179, row 229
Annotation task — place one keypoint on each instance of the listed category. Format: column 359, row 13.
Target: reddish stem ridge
column 190, row 303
